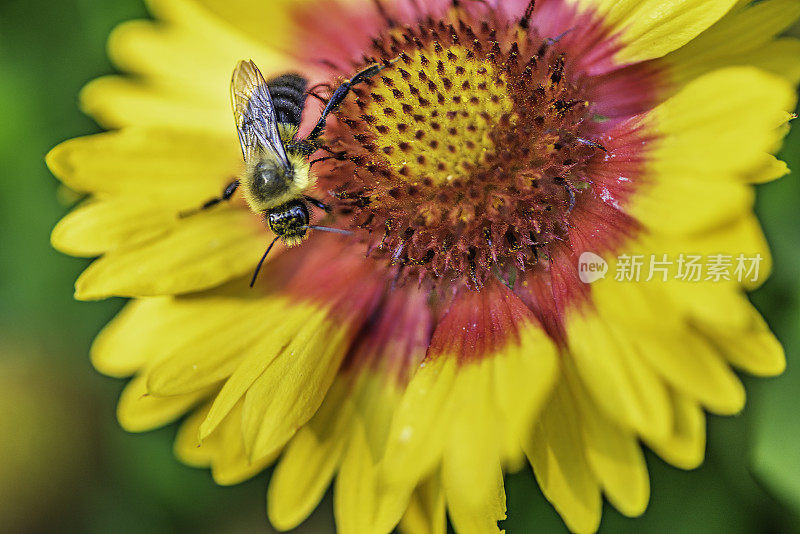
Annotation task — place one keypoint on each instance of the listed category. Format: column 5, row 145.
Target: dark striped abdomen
column 288, row 94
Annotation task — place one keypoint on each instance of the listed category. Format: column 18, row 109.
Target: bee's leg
column 581, row 140
column 317, row 203
column 340, row 94
column 308, row 148
column 227, row 193
column 312, row 91
column 592, row 144
column 570, row 192
column 553, row 40
column 320, row 160
column 315, row 95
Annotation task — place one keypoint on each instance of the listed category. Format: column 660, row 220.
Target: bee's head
column 289, row 221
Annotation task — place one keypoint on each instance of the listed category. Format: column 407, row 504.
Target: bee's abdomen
column 288, row 94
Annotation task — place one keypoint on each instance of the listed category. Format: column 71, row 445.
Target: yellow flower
column 487, row 176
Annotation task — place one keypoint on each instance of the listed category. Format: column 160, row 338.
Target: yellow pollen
column 434, row 111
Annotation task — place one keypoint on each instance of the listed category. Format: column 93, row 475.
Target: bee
column 277, row 169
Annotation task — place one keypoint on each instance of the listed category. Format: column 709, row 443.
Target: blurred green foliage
column 67, row 466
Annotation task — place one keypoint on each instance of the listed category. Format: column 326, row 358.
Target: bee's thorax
column 268, row 183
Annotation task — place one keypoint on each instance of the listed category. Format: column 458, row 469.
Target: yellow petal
column 677, row 206
column 310, row 461
column 421, row 424
column 721, row 124
column 121, row 348
column 376, row 396
column 202, row 252
column 555, row 450
column 174, row 167
column 150, row 330
column 188, row 448
column 426, row 510
column 178, row 63
column 608, row 363
column 737, row 38
column 772, row 169
column 742, row 240
column 362, row 503
column 778, row 58
column 670, row 347
column 618, row 463
column 173, row 55
column 293, row 316
column 117, row 101
column 471, row 466
column 106, row 224
column 717, row 303
column 269, row 23
column 354, row 499
column 652, row 28
column 614, row 454
column 694, row 368
column 223, row 450
column 524, row 376
column 293, row 385
column 232, row 465
column 685, row 446
column 754, row 350
column 214, row 341
column 139, row 411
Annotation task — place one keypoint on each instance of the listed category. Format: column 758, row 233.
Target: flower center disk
column 464, row 158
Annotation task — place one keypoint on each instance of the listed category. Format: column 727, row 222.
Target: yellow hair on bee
column 288, row 132
column 294, row 184
column 293, row 241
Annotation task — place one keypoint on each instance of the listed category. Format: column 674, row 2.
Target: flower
column 451, row 337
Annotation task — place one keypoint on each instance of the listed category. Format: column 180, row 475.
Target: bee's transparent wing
column 254, row 113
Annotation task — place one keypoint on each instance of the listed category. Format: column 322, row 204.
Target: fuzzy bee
column 277, row 169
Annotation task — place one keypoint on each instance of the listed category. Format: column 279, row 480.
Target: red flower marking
column 480, row 323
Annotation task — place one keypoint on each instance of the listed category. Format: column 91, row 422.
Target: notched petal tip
column 58, row 160
column 138, row 411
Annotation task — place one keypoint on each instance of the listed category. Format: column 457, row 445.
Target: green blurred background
column 66, row 466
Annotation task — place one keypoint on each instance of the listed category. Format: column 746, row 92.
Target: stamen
column 525, row 21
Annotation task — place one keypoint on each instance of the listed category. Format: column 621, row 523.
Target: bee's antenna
column 328, row 229
column 260, row 263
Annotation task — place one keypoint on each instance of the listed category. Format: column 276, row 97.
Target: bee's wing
column 254, row 113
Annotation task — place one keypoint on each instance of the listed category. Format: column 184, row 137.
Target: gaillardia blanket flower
column 451, row 336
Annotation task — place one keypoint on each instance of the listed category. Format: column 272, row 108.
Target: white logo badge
column 591, row 267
